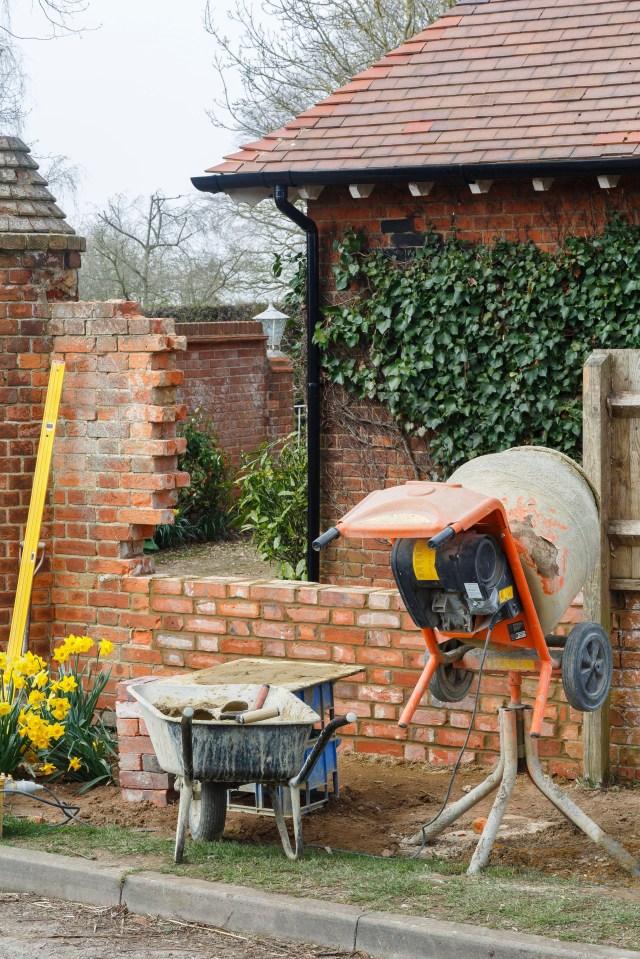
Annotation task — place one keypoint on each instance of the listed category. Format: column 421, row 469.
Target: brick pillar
column 39, row 260
column 279, row 396
column 115, row 459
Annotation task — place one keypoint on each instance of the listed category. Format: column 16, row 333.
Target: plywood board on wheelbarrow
column 292, row 675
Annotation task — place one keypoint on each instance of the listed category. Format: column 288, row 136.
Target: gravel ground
column 31, row 928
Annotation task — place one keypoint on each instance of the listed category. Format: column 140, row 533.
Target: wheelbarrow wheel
column 449, row 683
column 587, row 667
column 208, row 813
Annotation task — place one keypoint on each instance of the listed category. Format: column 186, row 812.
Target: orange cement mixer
column 491, row 560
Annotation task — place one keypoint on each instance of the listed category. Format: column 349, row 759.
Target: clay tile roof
column 492, row 81
column 26, row 206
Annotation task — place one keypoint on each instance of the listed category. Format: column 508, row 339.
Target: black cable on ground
column 70, row 812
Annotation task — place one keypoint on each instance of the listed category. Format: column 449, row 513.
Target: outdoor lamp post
column 273, row 324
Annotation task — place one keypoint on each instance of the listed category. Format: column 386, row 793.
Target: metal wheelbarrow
column 211, row 754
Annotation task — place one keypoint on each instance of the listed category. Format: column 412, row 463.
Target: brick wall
column 279, row 396
column 192, row 624
column 625, row 693
column 114, row 471
column 362, row 448
column 39, row 260
column 229, row 374
column 32, row 274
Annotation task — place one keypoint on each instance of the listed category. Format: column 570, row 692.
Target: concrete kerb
column 243, row 910
column 239, row 909
column 60, row 877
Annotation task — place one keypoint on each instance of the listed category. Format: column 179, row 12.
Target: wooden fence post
column 597, row 596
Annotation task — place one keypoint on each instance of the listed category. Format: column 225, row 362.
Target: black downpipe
column 280, row 196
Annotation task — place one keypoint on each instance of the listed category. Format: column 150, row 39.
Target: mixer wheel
column 208, row 813
column 449, row 683
column 587, row 666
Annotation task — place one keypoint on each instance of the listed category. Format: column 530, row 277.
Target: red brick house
column 517, row 119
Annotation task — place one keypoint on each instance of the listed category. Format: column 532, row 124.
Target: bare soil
column 383, row 801
column 65, row 930
column 230, row 557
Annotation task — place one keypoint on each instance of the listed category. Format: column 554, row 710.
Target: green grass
column 500, row 899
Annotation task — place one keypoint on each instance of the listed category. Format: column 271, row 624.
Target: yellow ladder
column 36, row 509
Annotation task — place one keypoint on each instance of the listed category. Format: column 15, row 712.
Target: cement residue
column 206, row 710
column 543, row 553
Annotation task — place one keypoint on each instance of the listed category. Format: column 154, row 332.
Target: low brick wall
column 181, row 624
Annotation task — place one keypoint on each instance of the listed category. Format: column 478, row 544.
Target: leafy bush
column 216, row 312
column 52, row 720
column 272, row 504
column 202, row 510
column 481, row 346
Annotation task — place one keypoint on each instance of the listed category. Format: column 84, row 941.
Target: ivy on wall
column 480, row 346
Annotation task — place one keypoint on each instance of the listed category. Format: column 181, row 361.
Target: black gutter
column 280, row 197
column 465, row 172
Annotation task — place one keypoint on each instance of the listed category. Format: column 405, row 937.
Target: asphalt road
column 31, row 927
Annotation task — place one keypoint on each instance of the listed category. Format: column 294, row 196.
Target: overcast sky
column 126, row 101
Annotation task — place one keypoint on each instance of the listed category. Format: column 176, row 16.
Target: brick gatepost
column 39, row 260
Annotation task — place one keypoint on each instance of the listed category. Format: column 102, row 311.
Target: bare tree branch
column 175, row 251
column 56, row 16
column 298, row 51
column 57, row 19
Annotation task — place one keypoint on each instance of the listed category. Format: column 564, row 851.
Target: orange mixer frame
column 436, row 512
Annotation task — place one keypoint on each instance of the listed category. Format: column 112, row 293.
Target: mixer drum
column 552, row 514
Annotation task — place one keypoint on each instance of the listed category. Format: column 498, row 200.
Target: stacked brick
column 141, row 777
column 114, row 473
column 39, row 259
column 362, row 448
column 230, row 376
column 198, row 623
column 625, row 694
column 279, row 396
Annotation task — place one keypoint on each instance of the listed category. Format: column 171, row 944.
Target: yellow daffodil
column 74, row 763
column 68, row 684
column 106, row 647
column 35, row 698
column 47, row 769
column 3, row 660
column 29, row 664
column 41, row 679
column 61, row 654
column 58, row 706
column 18, row 681
column 5, row 709
column 56, row 731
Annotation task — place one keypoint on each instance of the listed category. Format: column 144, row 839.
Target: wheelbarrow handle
column 186, row 724
column 322, row 740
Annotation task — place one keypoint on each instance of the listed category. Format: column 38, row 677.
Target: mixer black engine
column 446, row 588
